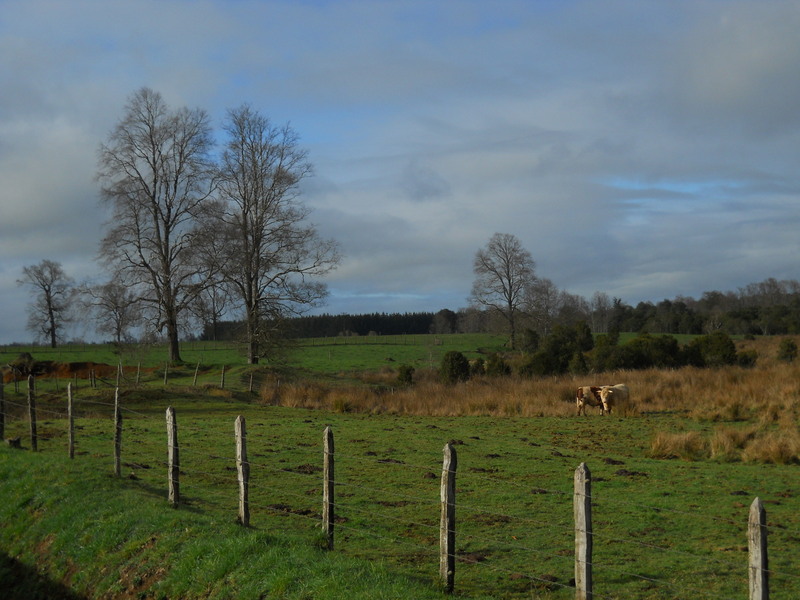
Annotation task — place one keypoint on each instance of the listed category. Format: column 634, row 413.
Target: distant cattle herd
column 604, row 396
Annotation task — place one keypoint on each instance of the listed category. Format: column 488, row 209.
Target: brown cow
column 588, row 394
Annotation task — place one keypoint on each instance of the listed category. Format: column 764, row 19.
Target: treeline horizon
column 770, row 307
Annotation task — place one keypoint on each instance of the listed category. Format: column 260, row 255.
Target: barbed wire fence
column 360, row 516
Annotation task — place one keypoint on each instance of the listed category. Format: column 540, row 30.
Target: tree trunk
column 174, row 344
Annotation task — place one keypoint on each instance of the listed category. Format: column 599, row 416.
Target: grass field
column 663, row 527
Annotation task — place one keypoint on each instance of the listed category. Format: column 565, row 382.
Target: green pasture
column 328, row 354
column 663, row 528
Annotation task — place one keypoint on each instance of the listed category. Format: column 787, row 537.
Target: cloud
column 642, row 149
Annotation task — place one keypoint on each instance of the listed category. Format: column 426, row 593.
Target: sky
column 646, row 150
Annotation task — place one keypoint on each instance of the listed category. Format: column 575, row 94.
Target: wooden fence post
column 173, row 462
column 582, row 510
column 328, row 513
column 32, row 412
column 117, row 434
column 196, row 369
column 757, row 542
column 222, row 379
column 166, row 370
column 447, row 523
column 70, row 423
column 243, row 469
column 138, row 372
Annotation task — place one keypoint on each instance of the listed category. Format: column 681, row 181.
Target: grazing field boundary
column 345, row 505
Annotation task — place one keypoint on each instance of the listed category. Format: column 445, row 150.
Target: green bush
column 477, row 367
column 454, row 367
column 496, row 366
column 405, row 374
column 713, row 350
column 747, row 358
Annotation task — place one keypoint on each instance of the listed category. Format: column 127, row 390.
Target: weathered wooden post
column 447, row 523
column 166, row 370
column 250, row 388
column 117, row 434
column 32, row 412
column 757, row 542
column 196, row 369
column 70, row 424
column 328, row 482
column 582, row 510
column 243, row 469
column 173, row 461
column 138, row 372
column 222, row 379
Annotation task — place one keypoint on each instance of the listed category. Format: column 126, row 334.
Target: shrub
column 405, row 375
column 477, row 367
column 715, row 350
column 787, row 351
column 496, row 366
column 454, row 367
column 747, row 358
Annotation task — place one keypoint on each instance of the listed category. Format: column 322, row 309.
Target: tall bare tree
column 114, row 307
column 503, row 271
column 50, row 310
column 271, row 257
column 155, row 172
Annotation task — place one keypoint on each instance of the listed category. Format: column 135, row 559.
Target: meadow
column 673, row 477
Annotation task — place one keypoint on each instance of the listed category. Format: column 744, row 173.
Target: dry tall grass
column 765, row 400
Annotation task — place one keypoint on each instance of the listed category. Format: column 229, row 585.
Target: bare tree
column 503, row 271
column 543, row 304
column 269, row 256
column 155, row 172
column 50, row 310
column 114, row 307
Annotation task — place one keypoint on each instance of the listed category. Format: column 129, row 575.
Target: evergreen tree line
column 770, row 307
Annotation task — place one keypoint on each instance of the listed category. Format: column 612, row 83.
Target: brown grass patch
column 687, row 446
column 779, row 447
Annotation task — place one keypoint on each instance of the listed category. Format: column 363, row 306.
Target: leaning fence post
column 117, row 434
column 582, row 510
column 70, row 423
column 447, row 524
column 243, row 470
column 196, row 369
column 757, row 542
column 328, row 512
column 32, row 412
column 173, row 462
column 222, row 379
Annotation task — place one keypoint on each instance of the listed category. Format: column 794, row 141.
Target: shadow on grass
column 21, row 582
